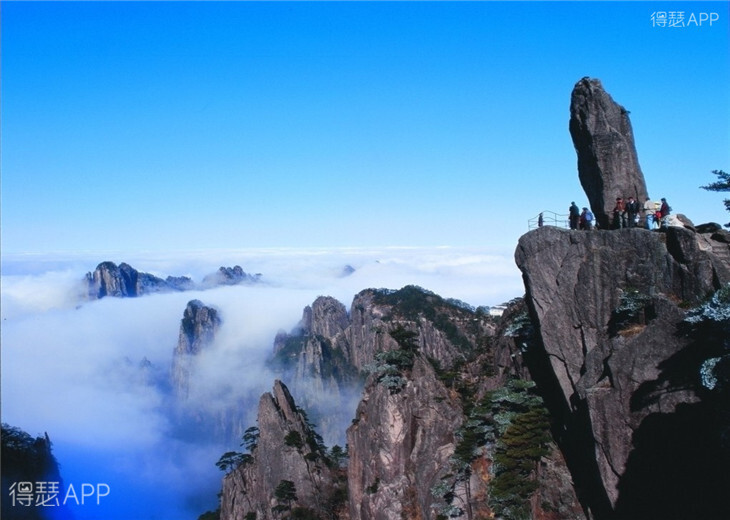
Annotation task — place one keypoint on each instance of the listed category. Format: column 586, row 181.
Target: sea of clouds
column 95, row 374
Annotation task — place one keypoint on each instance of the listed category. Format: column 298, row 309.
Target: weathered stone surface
column 251, row 487
column 555, row 498
column 608, row 166
column 710, row 227
column 374, row 313
column 598, row 359
column 400, row 445
column 329, row 317
column 311, row 358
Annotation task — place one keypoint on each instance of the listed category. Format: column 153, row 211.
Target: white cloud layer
column 73, row 368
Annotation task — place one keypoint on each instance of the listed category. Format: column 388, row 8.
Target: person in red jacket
column 663, row 212
column 619, row 214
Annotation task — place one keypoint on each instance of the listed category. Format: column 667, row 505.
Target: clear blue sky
column 146, row 126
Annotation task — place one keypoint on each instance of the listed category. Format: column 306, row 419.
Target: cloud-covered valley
column 95, row 374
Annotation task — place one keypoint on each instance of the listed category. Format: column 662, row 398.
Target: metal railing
column 549, row 218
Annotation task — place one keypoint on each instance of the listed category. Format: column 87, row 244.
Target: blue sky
column 181, row 125
column 294, row 139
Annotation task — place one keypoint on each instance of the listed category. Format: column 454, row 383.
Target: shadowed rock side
column 312, row 360
column 607, row 307
column 29, row 460
column 608, row 166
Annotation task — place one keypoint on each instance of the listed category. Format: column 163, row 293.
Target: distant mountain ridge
column 124, row 281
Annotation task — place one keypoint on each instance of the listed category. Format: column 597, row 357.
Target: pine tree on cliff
column 722, row 184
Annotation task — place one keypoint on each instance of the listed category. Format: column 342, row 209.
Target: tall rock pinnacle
column 197, row 330
column 608, row 166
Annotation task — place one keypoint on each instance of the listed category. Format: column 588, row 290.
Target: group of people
column 625, row 215
column 580, row 219
column 628, row 214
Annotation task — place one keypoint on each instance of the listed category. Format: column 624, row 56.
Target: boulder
column 608, row 166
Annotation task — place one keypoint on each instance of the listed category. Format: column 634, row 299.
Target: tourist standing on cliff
column 586, row 219
column 574, row 215
column 632, row 211
column 619, row 214
column 664, row 212
column 649, row 213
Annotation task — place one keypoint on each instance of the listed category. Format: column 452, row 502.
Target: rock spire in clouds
column 197, row 331
column 608, row 166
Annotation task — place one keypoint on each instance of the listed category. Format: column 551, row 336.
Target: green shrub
column 294, row 439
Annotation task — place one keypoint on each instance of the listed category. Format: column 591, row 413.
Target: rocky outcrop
column 446, row 330
column 607, row 308
column 198, row 329
column 287, row 469
column 608, row 166
column 124, row 281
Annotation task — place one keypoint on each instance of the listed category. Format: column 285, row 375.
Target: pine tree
column 722, row 184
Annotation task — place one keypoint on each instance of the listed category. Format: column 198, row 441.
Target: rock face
column 608, row 166
column 198, row 328
column 608, row 307
column 400, row 445
column 287, row 456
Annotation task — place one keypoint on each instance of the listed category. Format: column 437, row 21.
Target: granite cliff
column 617, row 370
